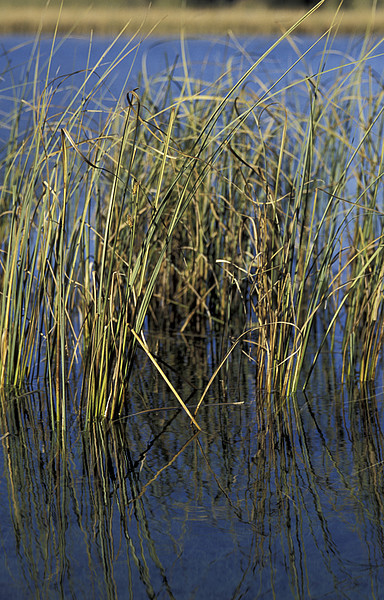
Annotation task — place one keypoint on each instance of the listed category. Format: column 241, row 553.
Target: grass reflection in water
column 273, row 497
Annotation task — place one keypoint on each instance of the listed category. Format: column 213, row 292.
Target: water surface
column 275, row 498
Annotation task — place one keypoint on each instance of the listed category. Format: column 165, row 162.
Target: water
column 276, row 498
column 205, row 60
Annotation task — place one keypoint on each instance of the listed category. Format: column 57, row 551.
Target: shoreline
column 239, row 20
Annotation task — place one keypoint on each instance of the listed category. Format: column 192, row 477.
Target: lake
column 205, row 59
column 274, row 498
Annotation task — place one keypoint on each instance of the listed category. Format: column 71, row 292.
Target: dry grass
column 165, row 21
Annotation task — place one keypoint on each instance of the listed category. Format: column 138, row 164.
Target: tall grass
column 253, row 211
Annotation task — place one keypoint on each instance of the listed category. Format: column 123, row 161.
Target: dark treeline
column 279, row 3
column 272, row 4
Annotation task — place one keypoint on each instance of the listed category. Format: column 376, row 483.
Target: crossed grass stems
column 191, row 206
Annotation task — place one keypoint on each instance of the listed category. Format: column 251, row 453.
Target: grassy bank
column 238, row 206
column 241, row 20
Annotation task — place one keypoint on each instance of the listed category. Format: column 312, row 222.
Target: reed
column 195, row 207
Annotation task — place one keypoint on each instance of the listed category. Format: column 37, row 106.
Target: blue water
column 207, row 59
column 276, row 498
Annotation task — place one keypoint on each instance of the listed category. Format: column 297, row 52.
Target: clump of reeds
column 224, row 207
